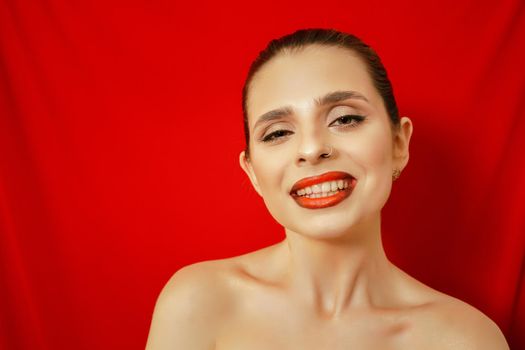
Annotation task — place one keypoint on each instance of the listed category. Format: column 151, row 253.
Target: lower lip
column 324, row 202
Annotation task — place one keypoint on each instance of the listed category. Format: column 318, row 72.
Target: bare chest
column 289, row 331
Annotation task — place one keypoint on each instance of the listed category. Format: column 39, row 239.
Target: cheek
column 268, row 168
column 374, row 156
column 373, row 151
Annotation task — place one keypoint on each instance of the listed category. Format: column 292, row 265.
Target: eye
column 349, row 120
column 275, row 135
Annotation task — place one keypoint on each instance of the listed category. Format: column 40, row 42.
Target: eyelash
column 357, row 118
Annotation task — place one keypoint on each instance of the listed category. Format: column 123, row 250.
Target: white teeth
column 323, row 189
column 320, row 195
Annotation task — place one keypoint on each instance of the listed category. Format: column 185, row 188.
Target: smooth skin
column 328, row 284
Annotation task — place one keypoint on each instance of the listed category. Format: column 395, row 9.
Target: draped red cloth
column 120, row 129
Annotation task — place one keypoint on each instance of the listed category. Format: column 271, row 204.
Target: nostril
column 329, row 153
column 326, row 154
column 314, row 153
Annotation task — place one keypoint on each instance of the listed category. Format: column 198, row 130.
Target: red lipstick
column 323, row 202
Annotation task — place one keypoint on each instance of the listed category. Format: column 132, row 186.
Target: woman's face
column 306, row 93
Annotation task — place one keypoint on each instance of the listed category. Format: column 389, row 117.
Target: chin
column 337, row 222
column 339, row 228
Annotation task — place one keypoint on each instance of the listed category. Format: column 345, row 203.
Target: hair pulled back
column 328, row 37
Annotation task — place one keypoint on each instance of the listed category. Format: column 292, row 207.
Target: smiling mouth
column 323, row 191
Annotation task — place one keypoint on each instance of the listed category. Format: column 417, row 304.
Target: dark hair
column 327, row 37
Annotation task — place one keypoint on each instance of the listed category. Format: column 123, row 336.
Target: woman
column 324, row 143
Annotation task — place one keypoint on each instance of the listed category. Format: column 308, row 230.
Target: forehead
column 297, row 78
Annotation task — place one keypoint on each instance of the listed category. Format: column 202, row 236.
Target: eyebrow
column 330, row 98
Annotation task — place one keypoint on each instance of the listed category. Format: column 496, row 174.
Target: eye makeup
column 344, row 122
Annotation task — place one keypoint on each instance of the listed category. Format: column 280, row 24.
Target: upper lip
column 309, row 181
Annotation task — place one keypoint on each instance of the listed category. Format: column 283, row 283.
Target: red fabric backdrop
column 120, row 129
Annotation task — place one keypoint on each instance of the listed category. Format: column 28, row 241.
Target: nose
column 313, row 148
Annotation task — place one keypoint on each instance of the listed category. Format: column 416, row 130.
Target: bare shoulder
column 458, row 325
column 189, row 308
column 445, row 322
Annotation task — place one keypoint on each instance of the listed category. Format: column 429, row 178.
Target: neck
column 333, row 275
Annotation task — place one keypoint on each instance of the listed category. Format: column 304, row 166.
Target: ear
column 246, row 165
column 401, row 143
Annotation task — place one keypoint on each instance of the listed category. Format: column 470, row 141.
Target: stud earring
column 396, row 174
